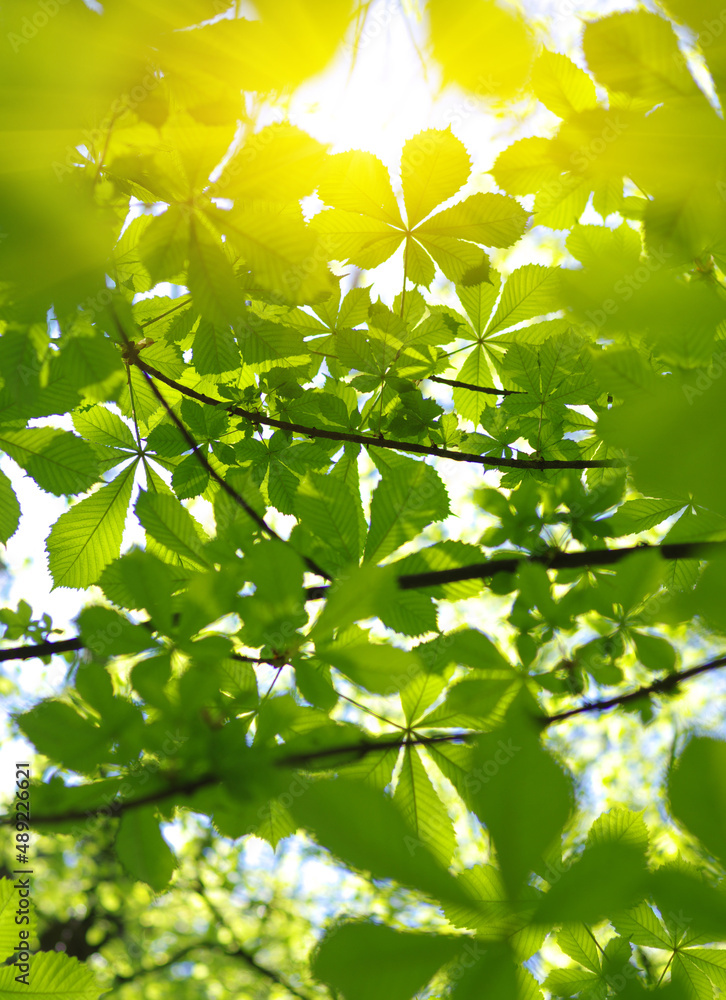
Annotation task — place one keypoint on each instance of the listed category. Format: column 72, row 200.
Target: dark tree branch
column 47, row 648
column 359, row 750
column 220, row 480
column 551, row 560
column 380, row 442
column 185, row 301
column 119, row 806
column 474, row 388
column 247, row 957
column 435, row 578
column 661, row 686
column 275, row 977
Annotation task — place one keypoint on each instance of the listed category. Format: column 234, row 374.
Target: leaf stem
column 405, row 269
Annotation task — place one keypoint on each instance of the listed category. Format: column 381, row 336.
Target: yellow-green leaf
column 357, row 181
column 562, row 86
column 359, row 239
column 422, row 809
column 278, row 163
column 434, row 165
column 53, row 976
column 481, row 45
column 490, row 219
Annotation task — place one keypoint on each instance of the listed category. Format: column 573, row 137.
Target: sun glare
column 384, row 89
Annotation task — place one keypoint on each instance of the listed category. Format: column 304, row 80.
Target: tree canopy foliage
column 192, row 349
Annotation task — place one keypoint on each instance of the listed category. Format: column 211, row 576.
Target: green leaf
column 377, row 667
column 355, row 597
column 104, row 426
column 697, row 792
column 421, row 691
column 409, row 496
column 475, row 370
column 104, row 629
column 561, row 85
column 366, row 831
column 529, row 291
column 88, row 360
column 359, row 239
column 434, row 165
column 215, row 289
column 490, row 219
column 640, row 515
column 641, row 926
column 277, row 608
column 497, row 969
column 574, row 982
column 688, row 905
column 357, row 181
column 189, row 478
column 142, row 849
column 607, row 878
column 619, row 826
column 422, row 808
column 404, row 961
column 576, row 942
column 8, row 928
column 328, row 508
column 711, row 961
column 282, row 251
column 460, row 262
column 59, row 732
column 637, row 53
column 485, row 48
column 654, row 652
column 525, row 826
column 215, row 350
column 87, row 537
column 526, row 166
column 478, row 301
column 278, row 163
column 164, row 245
column 52, row 976
column 139, row 580
column 58, row 461
column 495, row 914
column 691, row 977
column 9, row 509
column 477, row 698
column 172, row 526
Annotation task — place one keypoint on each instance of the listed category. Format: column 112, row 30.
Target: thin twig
column 587, row 558
column 474, row 388
column 665, row 684
column 412, row 581
column 242, row 953
column 539, row 464
column 229, row 490
column 359, row 750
